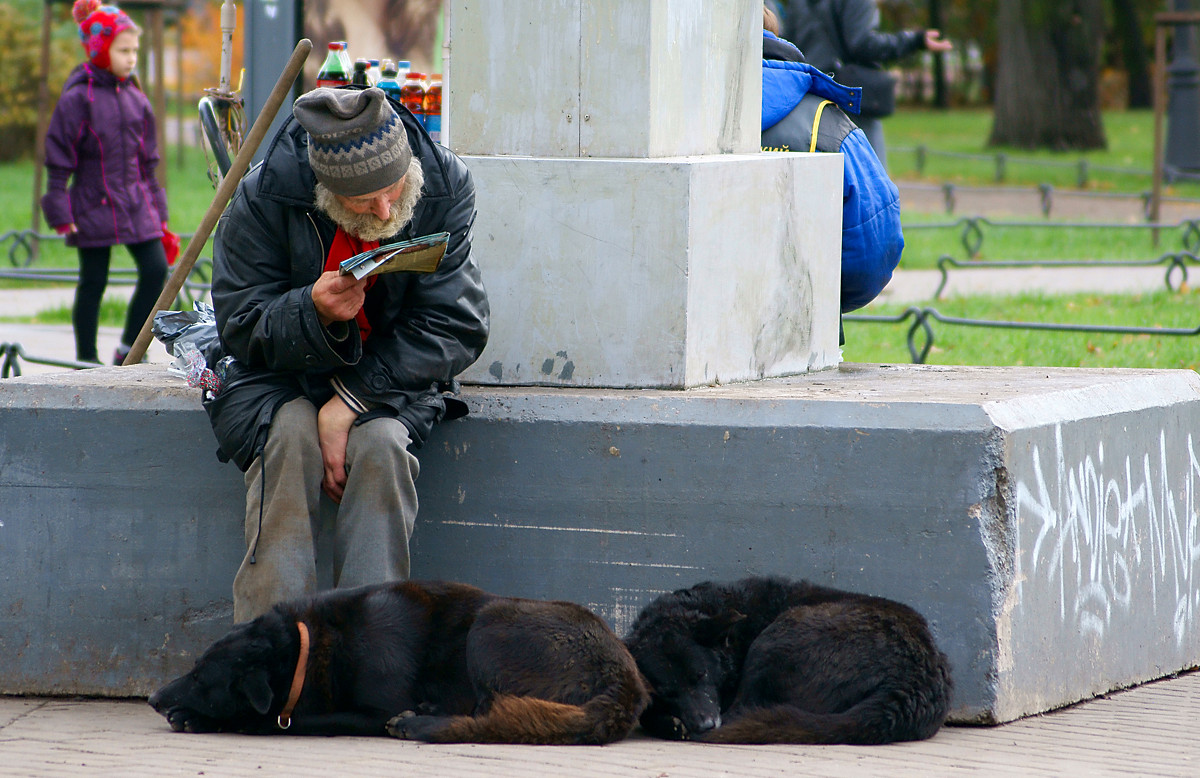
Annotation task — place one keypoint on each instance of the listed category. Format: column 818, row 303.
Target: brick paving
column 1145, row 731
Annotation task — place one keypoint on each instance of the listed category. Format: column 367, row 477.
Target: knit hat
column 356, row 142
column 98, row 25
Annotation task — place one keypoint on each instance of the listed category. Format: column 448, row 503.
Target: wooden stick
column 224, row 192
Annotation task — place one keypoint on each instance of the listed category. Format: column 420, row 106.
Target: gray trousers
column 873, row 129
column 285, row 505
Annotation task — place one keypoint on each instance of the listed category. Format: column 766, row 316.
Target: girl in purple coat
column 102, row 139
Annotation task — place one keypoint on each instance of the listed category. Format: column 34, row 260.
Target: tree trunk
column 1047, row 79
column 1128, row 27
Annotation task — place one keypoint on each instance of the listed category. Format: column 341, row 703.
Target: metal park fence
column 23, row 251
column 1002, row 161
column 23, row 248
column 971, row 232
column 923, row 318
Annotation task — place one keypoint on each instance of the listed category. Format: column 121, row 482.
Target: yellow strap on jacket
column 817, row 124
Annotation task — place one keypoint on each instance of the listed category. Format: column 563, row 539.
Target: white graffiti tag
column 1103, row 530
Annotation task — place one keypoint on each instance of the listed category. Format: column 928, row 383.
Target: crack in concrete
column 23, row 714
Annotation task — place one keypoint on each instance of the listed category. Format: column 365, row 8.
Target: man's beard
column 368, row 226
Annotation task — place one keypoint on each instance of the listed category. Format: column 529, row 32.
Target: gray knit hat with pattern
column 356, row 142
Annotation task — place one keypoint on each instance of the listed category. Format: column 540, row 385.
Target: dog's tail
column 882, row 717
column 533, row 721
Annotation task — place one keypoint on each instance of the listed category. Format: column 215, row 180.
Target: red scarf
column 343, row 247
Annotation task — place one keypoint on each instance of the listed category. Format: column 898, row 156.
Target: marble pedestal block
column 668, row 273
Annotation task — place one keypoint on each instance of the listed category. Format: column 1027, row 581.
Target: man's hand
column 334, row 421
column 338, row 297
column 935, row 42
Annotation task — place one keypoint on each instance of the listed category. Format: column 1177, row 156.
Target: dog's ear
column 717, row 630
column 257, row 686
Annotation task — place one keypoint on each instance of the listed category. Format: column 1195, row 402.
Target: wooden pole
column 241, row 163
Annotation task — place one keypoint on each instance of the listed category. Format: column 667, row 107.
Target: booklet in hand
column 419, row 255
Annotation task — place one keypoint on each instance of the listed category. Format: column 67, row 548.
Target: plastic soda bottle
column 360, row 77
column 387, row 80
column 344, row 54
column 402, row 68
column 412, row 95
column 433, row 108
column 333, row 71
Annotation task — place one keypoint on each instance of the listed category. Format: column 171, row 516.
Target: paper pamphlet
column 419, row 255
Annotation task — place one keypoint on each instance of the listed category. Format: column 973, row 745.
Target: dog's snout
column 156, row 700
column 706, row 724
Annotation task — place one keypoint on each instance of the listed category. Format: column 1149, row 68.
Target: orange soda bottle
column 412, row 94
column 433, row 108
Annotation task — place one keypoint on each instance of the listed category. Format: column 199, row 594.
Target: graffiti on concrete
column 1104, row 528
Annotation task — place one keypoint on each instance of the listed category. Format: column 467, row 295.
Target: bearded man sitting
column 333, row 379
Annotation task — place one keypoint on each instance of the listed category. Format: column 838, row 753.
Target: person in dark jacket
column 833, row 32
column 798, row 99
column 102, row 139
column 332, row 379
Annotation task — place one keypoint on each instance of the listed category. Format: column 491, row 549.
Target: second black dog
column 456, row 663
column 767, row 660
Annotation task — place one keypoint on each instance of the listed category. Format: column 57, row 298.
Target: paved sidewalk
column 56, row 341
column 1146, row 731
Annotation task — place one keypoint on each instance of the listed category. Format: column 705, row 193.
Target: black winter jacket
column 835, row 32
column 271, row 246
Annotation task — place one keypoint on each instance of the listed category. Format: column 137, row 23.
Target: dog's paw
column 665, row 727
column 395, row 725
column 185, row 721
column 411, row 726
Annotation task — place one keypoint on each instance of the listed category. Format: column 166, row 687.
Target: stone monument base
column 1044, row 520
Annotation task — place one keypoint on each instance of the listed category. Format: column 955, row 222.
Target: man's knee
column 294, row 424
column 383, row 442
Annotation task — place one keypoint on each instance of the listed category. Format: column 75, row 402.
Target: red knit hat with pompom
column 98, row 25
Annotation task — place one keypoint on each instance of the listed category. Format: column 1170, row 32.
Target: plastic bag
column 198, row 327
column 190, row 365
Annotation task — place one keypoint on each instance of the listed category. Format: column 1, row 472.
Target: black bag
column 878, row 88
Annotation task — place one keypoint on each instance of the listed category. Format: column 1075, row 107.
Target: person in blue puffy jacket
column 796, row 98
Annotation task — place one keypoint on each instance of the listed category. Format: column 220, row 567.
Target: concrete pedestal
column 1044, row 520
column 620, row 78
column 665, row 273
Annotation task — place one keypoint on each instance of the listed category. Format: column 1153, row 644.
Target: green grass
column 923, row 245
column 964, row 345
column 1130, row 146
column 112, row 314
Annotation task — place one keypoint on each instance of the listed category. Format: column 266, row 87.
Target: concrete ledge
column 1044, row 520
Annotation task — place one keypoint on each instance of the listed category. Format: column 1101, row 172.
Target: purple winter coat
column 103, row 133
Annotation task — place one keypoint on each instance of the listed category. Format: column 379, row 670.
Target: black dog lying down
column 458, row 665
column 767, row 660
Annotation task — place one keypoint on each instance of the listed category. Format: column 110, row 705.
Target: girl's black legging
column 151, row 262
